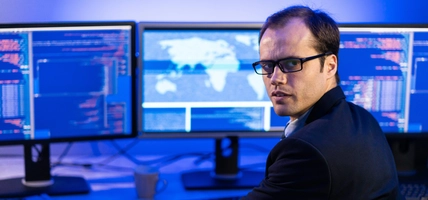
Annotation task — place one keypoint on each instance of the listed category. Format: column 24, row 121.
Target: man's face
column 292, row 94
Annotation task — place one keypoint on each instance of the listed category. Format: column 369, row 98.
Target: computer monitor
column 198, row 82
column 63, row 82
column 383, row 69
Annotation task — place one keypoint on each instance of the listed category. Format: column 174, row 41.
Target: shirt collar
column 293, row 126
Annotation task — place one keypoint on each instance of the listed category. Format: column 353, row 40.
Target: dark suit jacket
column 340, row 153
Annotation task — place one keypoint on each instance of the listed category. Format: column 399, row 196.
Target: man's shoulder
column 362, row 112
column 343, row 122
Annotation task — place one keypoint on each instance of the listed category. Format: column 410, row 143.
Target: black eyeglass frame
column 277, row 63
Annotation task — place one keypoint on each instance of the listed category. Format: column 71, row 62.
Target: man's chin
column 282, row 113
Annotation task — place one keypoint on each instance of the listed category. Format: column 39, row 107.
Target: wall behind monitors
column 197, row 78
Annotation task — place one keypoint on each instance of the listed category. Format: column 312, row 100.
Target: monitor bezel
column 135, row 79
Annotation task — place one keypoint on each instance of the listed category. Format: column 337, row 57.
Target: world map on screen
column 201, row 66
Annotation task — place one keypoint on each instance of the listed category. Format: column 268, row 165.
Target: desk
column 117, row 182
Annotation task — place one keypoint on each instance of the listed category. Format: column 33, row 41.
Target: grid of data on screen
column 64, row 82
column 381, row 70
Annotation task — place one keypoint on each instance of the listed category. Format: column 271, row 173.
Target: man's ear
column 331, row 65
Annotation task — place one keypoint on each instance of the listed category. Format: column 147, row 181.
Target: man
column 332, row 149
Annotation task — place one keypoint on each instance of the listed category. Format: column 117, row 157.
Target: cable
column 121, row 151
column 180, row 156
column 203, row 158
column 163, row 161
column 159, row 162
column 63, row 154
column 91, row 165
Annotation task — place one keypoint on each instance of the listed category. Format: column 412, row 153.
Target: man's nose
column 277, row 77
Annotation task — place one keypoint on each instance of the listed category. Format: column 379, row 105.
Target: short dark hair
column 321, row 25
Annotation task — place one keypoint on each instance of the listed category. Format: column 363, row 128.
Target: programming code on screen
column 59, row 82
column 372, row 67
column 202, row 79
column 382, row 70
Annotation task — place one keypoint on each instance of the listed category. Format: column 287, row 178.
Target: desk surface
column 116, row 181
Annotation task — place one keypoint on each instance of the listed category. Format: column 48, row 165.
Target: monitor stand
column 226, row 174
column 38, row 179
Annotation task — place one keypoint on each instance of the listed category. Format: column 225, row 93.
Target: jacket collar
column 327, row 101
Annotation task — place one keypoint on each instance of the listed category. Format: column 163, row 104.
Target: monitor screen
column 62, row 82
column 382, row 68
column 198, row 81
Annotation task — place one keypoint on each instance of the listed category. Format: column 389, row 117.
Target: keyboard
column 414, row 191
column 409, row 190
column 228, row 198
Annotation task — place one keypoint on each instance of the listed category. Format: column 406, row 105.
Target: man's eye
column 290, row 63
column 266, row 65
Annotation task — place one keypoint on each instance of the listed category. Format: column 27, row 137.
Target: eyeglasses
column 286, row 65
